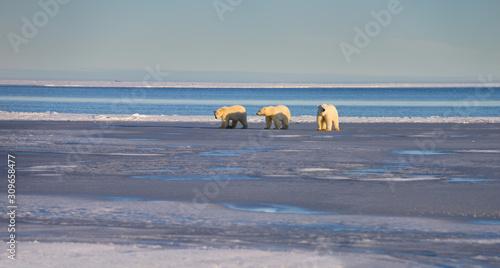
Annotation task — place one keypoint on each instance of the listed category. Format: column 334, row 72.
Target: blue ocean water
column 364, row 102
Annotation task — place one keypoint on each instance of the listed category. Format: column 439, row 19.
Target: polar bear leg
column 235, row 122
column 224, row 123
column 335, row 120
column 243, row 121
column 328, row 124
column 284, row 121
column 268, row 122
column 276, row 122
column 336, row 125
column 319, row 119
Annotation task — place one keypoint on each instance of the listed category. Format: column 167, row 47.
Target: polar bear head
column 262, row 111
column 322, row 108
column 218, row 113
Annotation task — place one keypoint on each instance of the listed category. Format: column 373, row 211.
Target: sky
column 251, row 40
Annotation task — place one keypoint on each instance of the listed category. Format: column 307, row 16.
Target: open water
column 363, row 102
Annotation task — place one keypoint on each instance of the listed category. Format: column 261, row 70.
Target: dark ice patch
column 140, row 139
column 487, row 222
column 148, row 170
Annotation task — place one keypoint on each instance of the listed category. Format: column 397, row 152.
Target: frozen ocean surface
column 137, row 190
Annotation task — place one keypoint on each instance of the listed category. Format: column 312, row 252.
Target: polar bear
column 237, row 113
column 327, row 114
column 276, row 114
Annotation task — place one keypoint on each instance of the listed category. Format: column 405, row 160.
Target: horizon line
column 173, row 84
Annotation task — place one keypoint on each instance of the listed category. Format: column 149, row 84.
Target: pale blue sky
column 258, row 41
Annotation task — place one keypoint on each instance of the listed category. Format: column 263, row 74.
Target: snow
column 54, row 116
column 106, row 250
column 112, row 255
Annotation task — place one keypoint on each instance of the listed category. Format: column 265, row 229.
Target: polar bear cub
column 277, row 114
column 236, row 113
column 327, row 114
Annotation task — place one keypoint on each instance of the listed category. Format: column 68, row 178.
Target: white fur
column 277, row 114
column 237, row 113
column 327, row 114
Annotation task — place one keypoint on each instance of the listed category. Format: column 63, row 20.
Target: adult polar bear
column 327, row 114
column 237, row 113
column 277, row 114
